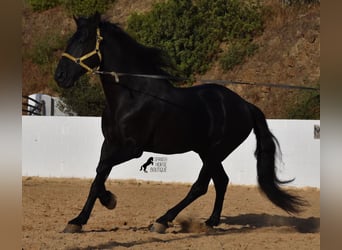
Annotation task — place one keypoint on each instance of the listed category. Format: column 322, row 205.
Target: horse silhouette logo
column 146, row 164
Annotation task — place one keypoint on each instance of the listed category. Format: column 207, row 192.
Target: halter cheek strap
column 96, row 51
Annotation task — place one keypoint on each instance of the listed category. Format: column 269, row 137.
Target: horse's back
column 206, row 118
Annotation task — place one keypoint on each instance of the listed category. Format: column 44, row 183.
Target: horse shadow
column 301, row 225
column 247, row 223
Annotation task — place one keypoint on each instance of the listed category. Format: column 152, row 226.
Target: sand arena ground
column 249, row 220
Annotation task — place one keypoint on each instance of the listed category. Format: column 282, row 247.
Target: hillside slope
column 289, row 52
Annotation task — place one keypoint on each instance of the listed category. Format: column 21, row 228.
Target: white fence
column 70, row 147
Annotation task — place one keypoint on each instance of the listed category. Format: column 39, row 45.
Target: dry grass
column 278, row 14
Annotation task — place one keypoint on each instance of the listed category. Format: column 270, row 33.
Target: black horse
column 147, row 113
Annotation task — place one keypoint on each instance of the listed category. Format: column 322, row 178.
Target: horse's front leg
column 97, row 188
column 110, row 155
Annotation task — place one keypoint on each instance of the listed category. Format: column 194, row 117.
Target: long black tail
column 265, row 153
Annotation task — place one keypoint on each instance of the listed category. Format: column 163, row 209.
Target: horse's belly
column 173, row 140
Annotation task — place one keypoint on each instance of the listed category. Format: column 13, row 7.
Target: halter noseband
column 96, row 51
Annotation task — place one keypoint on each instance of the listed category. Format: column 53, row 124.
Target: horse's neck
column 133, row 90
column 122, row 57
column 115, row 59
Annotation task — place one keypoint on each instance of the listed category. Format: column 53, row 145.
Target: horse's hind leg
column 199, row 188
column 221, row 180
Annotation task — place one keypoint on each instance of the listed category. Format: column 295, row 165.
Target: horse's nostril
column 60, row 75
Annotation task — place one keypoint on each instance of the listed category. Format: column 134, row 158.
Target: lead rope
column 116, row 75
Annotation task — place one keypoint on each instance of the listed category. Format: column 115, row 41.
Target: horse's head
column 82, row 54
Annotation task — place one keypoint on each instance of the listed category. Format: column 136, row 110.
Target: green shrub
column 191, row 31
column 307, row 106
column 172, row 26
column 86, row 8
column 40, row 5
column 236, row 54
column 85, row 98
column 40, row 52
column 75, row 7
column 43, row 48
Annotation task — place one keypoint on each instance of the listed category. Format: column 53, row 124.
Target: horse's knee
column 225, row 180
column 220, row 179
column 199, row 189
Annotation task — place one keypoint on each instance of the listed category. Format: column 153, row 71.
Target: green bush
column 191, row 31
column 40, row 5
column 86, row 8
column 44, row 54
column 75, row 7
column 45, row 46
column 236, row 54
column 307, row 106
column 85, row 98
column 40, row 52
column 171, row 26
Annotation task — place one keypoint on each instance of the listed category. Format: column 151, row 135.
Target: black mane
column 152, row 60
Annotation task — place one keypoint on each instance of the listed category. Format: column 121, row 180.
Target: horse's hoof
column 158, row 228
column 112, row 201
column 108, row 200
column 72, row 228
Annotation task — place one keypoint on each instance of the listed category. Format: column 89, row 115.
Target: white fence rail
column 70, row 147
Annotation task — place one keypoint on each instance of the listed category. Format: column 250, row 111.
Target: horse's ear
column 76, row 19
column 92, row 20
column 97, row 18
